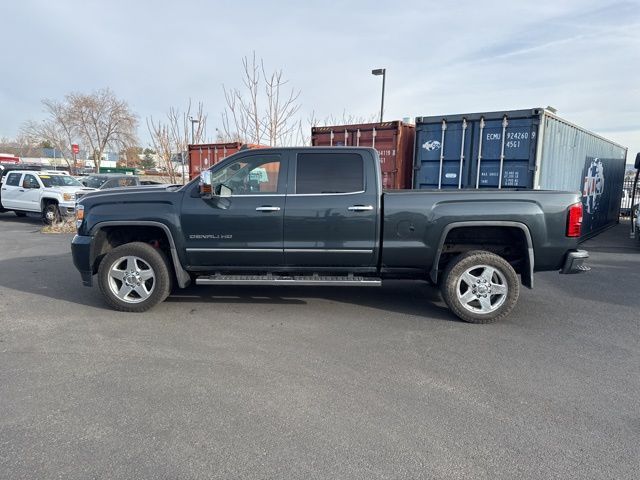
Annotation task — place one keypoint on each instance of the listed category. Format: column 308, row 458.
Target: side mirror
column 637, row 164
column 205, row 184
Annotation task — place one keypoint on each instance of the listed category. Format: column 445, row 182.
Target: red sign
column 9, row 159
column 75, row 148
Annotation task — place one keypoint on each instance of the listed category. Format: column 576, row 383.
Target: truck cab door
column 243, row 229
column 332, row 212
column 29, row 198
column 11, row 190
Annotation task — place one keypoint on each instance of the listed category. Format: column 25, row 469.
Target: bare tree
column 245, row 118
column 21, row 146
column 102, row 121
column 161, row 140
column 56, row 130
column 279, row 124
column 171, row 138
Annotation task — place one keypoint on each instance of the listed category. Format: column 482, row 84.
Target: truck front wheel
column 480, row 287
column 50, row 213
column 134, row 277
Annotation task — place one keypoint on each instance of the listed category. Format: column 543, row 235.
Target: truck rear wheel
column 134, row 277
column 480, row 287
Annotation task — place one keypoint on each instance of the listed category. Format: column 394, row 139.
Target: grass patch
column 65, row 226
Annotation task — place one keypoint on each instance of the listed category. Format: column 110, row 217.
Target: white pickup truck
column 49, row 193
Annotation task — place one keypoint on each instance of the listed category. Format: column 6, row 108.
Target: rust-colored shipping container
column 205, row 155
column 393, row 141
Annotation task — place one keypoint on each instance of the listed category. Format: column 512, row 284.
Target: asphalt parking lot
column 328, row 383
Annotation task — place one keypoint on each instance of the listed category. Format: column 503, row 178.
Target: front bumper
column 67, row 208
column 574, row 262
column 81, row 253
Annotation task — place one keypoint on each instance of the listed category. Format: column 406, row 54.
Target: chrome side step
column 303, row 280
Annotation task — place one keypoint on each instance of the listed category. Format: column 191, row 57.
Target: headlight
column 68, row 196
column 79, row 215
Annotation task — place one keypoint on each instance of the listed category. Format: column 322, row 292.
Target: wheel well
column 511, row 243
column 108, row 238
column 47, row 201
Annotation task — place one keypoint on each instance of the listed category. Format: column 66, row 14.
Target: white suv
column 50, row 193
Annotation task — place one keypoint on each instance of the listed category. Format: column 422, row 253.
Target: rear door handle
column 361, row 208
column 267, row 208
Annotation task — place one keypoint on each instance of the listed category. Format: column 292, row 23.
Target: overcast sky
column 582, row 57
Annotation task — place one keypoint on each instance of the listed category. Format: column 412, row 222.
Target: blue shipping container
column 531, row 148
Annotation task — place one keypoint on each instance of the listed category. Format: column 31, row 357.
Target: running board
column 304, row 280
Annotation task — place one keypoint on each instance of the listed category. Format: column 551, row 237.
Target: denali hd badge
column 214, row 236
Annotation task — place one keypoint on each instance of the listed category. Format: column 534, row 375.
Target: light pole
column 193, row 122
column 383, row 72
column 193, row 140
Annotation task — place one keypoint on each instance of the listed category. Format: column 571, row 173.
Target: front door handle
column 360, row 208
column 267, row 208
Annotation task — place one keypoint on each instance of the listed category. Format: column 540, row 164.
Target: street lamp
column 383, row 72
column 193, row 122
column 193, row 140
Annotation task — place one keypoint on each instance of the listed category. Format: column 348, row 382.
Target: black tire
column 51, row 213
column 499, row 304
column 20, row 214
column 153, row 258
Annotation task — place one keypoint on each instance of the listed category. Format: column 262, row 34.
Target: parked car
column 107, row 181
column 52, row 194
column 635, row 208
column 625, row 203
column 317, row 216
column 110, row 180
column 115, row 180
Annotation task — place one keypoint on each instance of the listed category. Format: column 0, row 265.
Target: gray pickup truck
column 318, row 216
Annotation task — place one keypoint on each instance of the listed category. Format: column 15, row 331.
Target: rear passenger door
column 331, row 212
column 11, row 190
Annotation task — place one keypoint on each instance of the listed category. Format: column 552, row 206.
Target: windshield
column 94, row 182
column 59, row 181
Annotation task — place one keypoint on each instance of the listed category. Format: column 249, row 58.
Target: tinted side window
column 13, row 179
column 256, row 174
column 329, row 173
column 30, row 181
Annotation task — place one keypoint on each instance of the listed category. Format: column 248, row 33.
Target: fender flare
column 183, row 278
column 527, row 276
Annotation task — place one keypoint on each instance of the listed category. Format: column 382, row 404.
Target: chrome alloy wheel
column 482, row 289
column 131, row 279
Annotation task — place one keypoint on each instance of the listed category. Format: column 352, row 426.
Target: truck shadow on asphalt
column 406, row 297
column 55, row 277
